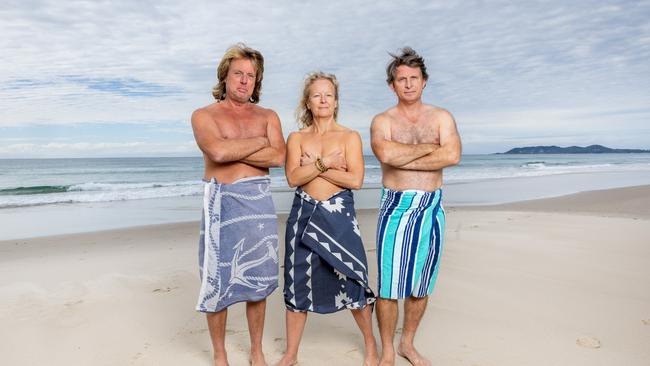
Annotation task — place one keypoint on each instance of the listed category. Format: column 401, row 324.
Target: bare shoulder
column 389, row 114
column 206, row 113
column 439, row 114
column 199, row 114
column 305, row 130
column 385, row 117
column 294, row 136
column 351, row 135
column 348, row 134
column 268, row 113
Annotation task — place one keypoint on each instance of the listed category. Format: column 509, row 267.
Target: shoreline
column 635, row 205
column 67, row 218
column 62, row 219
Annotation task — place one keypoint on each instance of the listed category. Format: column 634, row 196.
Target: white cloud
column 485, row 59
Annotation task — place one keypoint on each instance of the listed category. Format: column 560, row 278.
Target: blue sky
column 121, row 78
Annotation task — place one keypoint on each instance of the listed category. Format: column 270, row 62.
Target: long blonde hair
column 303, row 115
column 239, row 51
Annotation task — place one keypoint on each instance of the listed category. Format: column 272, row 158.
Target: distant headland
column 591, row 149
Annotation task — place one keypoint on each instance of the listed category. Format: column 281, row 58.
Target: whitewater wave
column 91, row 186
column 536, row 169
column 534, row 164
column 18, row 191
column 97, row 192
column 86, row 192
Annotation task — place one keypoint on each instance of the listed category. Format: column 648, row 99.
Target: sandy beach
column 558, row 281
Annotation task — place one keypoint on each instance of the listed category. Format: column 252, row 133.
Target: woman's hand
column 335, row 160
column 307, row 158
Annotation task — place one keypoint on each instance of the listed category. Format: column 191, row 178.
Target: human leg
column 363, row 317
column 387, row 312
column 217, row 328
column 414, row 308
column 255, row 313
column 295, row 327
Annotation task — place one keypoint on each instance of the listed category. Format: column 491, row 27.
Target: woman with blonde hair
column 325, row 267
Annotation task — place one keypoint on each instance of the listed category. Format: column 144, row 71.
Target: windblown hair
column 407, row 57
column 239, row 51
column 303, row 115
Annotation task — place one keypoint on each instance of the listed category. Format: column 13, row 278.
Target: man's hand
column 219, row 149
column 274, row 149
column 265, row 140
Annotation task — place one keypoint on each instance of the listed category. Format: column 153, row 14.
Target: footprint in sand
column 232, row 331
column 72, row 303
column 352, row 350
column 166, row 289
column 588, row 342
column 279, row 344
column 198, row 331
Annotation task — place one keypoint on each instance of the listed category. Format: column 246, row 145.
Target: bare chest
column 415, row 133
column 321, row 145
column 241, row 126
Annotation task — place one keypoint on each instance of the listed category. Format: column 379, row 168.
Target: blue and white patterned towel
column 238, row 247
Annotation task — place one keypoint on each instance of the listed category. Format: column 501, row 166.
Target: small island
column 591, row 149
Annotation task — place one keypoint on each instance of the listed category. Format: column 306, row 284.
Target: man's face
column 408, row 83
column 240, row 81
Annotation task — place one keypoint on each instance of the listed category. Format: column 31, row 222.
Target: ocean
column 33, row 182
column 41, row 197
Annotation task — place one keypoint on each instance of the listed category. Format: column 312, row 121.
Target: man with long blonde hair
column 238, row 248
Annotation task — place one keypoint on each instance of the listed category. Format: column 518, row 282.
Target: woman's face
column 322, row 99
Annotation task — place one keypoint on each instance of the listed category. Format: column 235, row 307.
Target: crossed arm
column 344, row 171
column 262, row 151
column 425, row 157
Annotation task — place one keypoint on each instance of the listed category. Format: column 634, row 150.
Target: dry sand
column 562, row 281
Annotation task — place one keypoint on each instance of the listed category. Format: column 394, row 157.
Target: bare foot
column 221, row 360
column 372, row 357
column 287, row 360
column 387, row 356
column 257, row 359
column 412, row 355
column 387, row 361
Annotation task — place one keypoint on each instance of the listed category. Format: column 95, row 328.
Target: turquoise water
column 31, row 182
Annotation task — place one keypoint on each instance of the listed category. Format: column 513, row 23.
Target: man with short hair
column 238, row 248
column 414, row 142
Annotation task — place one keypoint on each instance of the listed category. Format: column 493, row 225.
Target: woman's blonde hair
column 303, row 115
